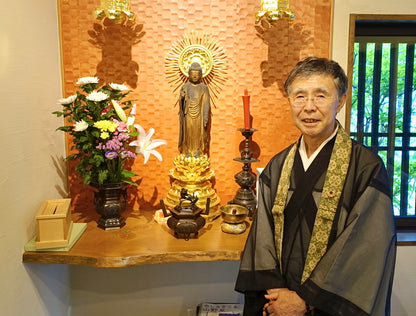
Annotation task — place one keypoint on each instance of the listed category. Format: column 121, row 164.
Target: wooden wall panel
column 259, row 59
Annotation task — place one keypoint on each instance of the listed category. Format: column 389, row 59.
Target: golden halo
column 202, row 48
column 195, row 53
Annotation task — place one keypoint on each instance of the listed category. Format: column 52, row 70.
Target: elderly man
column 323, row 240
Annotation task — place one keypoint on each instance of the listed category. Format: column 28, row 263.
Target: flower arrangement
column 103, row 135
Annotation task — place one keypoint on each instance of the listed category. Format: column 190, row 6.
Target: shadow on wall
column 285, row 41
column 116, row 42
column 51, row 282
column 60, row 165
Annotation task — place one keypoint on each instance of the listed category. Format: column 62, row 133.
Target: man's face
column 314, row 105
column 195, row 76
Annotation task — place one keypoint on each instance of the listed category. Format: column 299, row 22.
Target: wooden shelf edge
column 120, row 262
column 56, row 258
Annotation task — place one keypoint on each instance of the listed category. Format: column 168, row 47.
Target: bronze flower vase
column 110, row 201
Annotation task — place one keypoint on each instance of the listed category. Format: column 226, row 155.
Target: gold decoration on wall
column 116, row 10
column 201, row 48
column 274, row 10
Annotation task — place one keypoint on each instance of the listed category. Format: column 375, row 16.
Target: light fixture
column 116, row 10
column 274, row 10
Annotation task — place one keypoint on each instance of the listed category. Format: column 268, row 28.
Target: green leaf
column 97, row 159
column 87, row 179
column 134, row 133
column 102, row 176
column 129, row 181
column 58, row 113
column 95, row 133
column 64, row 128
column 86, row 146
column 127, row 173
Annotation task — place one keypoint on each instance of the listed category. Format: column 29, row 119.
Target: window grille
column 383, row 105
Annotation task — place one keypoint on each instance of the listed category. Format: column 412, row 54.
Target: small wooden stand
column 54, row 224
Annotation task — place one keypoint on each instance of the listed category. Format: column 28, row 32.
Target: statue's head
column 195, row 73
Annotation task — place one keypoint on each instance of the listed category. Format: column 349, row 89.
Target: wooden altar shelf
column 142, row 241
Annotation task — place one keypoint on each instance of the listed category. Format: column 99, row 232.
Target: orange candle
column 246, row 104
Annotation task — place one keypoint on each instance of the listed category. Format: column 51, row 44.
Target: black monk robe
column 353, row 275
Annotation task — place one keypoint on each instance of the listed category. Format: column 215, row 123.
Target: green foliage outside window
column 367, row 127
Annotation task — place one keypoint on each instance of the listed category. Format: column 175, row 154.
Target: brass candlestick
column 246, row 179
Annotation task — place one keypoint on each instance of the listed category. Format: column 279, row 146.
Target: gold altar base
column 193, row 174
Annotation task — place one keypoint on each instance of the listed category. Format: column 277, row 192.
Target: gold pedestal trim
column 194, row 175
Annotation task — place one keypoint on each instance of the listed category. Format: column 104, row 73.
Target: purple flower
column 111, row 154
column 127, row 154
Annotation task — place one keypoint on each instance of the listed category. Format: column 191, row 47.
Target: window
column 382, row 109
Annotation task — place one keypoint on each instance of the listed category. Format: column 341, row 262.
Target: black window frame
column 383, row 26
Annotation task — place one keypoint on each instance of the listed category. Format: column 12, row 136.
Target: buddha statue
column 194, row 112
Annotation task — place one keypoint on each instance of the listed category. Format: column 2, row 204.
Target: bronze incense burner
column 185, row 218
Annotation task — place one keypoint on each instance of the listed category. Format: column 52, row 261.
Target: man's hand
column 283, row 302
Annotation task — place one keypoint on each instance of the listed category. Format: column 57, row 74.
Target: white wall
column 29, row 85
column 404, row 287
column 161, row 289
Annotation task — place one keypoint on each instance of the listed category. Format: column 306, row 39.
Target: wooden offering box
column 54, row 224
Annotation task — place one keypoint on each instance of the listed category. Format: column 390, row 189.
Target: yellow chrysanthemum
column 112, row 127
column 104, row 135
column 106, row 125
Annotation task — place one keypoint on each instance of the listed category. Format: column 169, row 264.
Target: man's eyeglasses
column 318, row 100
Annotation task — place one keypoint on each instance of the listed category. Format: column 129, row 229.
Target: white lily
column 145, row 146
column 132, row 115
column 119, row 110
